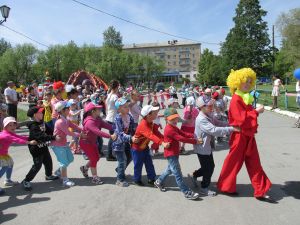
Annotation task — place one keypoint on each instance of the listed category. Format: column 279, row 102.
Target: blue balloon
column 297, row 74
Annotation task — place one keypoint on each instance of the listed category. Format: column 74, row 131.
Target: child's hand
column 57, row 138
column 135, row 140
column 166, row 144
column 260, row 109
column 83, row 135
column 33, row 142
column 113, row 136
column 236, row 129
column 199, row 141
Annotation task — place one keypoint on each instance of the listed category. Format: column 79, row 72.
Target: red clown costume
column 243, row 146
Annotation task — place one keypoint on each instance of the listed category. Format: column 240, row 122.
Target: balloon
column 297, row 74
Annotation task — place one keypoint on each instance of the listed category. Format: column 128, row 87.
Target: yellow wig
column 238, row 77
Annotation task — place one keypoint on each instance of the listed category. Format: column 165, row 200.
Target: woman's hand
column 260, row 109
column 166, row 144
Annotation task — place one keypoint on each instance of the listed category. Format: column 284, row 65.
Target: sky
column 60, row 21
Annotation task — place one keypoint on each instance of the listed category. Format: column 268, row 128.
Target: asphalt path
column 85, row 203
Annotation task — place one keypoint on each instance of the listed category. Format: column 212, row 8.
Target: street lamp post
column 5, row 13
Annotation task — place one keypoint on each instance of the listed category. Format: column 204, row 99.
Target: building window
column 169, row 56
column 187, row 76
column 193, row 55
column 174, row 63
column 174, row 56
column 169, row 63
column 194, row 61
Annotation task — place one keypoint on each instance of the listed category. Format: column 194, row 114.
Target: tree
column 112, row 38
column 16, row 64
column 247, row 43
column 210, row 68
column 4, row 45
column 289, row 27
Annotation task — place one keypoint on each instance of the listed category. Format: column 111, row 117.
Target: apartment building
column 181, row 58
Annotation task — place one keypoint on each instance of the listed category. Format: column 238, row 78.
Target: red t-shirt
column 174, row 135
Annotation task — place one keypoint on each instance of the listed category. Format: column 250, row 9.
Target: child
column 206, row 128
column 154, row 150
column 31, row 97
column 140, row 151
column 7, row 137
column 47, row 113
column 162, row 99
column 61, row 149
column 243, row 148
column 135, row 109
column 190, row 113
column 40, row 152
column 92, row 123
column 3, row 114
column 149, row 97
column 74, row 117
column 173, row 103
column 173, row 135
column 124, row 129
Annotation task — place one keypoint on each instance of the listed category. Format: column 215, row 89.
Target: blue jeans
column 124, row 158
column 174, row 168
column 7, row 170
column 139, row 159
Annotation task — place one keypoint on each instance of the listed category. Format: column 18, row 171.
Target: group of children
column 130, row 139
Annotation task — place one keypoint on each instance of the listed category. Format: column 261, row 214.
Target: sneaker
column 193, row 179
column 267, row 198
column 51, row 177
column 68, row 183
column 26, row 185
column 57, row 173
column 159, row 186
column 122, row 183
column 207, row 192
column 85, row 156
column 2, row 192
column 84, row 171
column 97, row 180
column 151, row 182
column 191, row 195
column 10, row 183
column 139, row 183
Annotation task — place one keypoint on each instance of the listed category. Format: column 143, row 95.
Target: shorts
column 64, row 155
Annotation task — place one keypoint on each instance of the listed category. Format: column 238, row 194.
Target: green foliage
column 112, row 38
column 4, row 45
column 289, row 27
column 247, row 44
column 16, row 64
column 211, row 69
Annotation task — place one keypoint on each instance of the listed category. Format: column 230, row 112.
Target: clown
column 242, row 144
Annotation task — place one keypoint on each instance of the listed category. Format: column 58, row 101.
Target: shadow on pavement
column 13, row 201
column 292, row 188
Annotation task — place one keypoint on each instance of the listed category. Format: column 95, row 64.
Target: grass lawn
column 22, row 115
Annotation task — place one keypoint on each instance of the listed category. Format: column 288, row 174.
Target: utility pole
column 273, row 47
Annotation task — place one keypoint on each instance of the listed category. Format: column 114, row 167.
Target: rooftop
column 161, row 44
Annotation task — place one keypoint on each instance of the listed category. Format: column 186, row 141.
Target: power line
column 141, row 25
column 17, row 32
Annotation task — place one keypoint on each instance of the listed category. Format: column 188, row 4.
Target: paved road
column 50, row 203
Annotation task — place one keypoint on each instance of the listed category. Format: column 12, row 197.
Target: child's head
column 215, row 95
column 149, row 112
column 206, row 105
column 91, row 109
column 63, row 108
column 36, row 113
column 57, row 93
column 190, row 102
column 3, row 110
column 48, row 96
column 31, row 90
column 171, row 115
column 135, row 95
column 9, row 124
column 122, row 105
column 243, row 80
column 173, row 103
column 73, row 104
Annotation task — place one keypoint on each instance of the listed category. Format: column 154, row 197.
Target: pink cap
column 90, row 106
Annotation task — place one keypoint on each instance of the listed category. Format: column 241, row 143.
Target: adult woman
column 276, row 90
